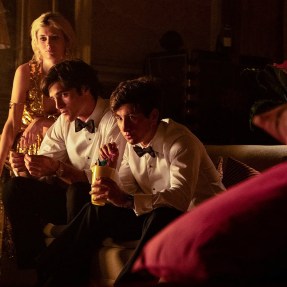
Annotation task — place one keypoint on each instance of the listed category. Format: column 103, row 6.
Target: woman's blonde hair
column 56, row 20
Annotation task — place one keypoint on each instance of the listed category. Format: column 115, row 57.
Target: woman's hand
column 35, row 128
column 110, row 153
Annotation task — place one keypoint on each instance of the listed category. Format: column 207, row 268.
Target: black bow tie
column 89, row 125
column 141, row 151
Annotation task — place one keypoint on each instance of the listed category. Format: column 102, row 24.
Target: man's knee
column 77, row 196
column 78, row 187
column 165, row 213
column 160, row 217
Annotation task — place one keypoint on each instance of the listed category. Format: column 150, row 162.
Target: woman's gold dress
column 33, row 108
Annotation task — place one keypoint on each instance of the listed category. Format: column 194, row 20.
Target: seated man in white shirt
column 164, row 168
column 66, row 154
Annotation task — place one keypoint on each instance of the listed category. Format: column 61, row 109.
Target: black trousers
column 66, row 261
column 30, row 204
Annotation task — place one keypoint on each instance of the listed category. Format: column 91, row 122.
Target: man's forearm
column 69, row 174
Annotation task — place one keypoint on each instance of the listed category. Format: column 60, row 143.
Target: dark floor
column 11, row 276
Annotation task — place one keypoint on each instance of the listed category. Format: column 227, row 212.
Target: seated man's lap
column 23, row 194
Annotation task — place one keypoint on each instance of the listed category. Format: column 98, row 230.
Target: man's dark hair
column 143, row 93
column 72, row 74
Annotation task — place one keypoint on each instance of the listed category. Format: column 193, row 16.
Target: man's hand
column 40, row 165
column 110, row 153
column 106, row 188
column 17, row 162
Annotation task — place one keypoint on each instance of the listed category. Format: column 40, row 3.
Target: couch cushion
column 238, row 236
column 129, row 244
column 234, row 171
column 107, row 263
column 260, row 157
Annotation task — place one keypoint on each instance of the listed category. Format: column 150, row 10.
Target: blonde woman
column 31, row 114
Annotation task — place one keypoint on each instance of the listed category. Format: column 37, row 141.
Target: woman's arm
column 13, row 122
column 38, row 126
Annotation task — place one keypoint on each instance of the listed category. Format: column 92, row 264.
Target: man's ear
column 84, row 89
column 154, row 116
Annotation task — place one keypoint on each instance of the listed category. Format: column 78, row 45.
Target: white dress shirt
column 81, row 148
column 181, row 175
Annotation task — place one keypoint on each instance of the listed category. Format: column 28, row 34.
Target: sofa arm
column 260, row 157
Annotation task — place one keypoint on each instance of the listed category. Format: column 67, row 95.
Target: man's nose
column 125, row 125
column 59, row 103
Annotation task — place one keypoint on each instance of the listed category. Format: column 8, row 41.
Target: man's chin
column 68, row 118
column 132, row 141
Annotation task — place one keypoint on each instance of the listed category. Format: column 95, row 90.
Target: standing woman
column 31, row 114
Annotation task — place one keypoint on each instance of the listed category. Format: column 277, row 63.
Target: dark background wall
column 121, row 38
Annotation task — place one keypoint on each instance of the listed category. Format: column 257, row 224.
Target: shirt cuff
column 143, row 203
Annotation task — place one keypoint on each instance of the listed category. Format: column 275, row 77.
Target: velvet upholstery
column 237, row 237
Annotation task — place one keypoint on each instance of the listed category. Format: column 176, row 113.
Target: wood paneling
column 257, row 27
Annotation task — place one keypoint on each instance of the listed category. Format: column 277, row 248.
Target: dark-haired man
column 164, row 169
column 68, row 150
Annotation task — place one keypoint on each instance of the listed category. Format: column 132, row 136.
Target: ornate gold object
column 32, row 149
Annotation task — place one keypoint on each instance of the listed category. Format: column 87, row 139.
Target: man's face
column 135, row 126
column 68, row 102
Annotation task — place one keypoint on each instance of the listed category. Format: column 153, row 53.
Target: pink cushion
column 237, row 236
column 274, row 122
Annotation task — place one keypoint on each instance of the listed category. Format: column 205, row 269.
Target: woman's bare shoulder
column 24, row 68
column 21, row 83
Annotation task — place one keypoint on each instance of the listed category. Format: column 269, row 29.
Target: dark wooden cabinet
column 207, row 89
column 257, row 27
column 207, row 92
column 172, row 69
column 224, row 99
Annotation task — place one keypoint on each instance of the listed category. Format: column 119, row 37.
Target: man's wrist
column 129, row 201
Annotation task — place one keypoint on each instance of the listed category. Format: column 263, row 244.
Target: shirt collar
column 100, row 109
column 157, row 141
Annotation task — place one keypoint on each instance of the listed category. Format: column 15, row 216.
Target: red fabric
column 237, row 236
column 282, row 65
column 274, row 122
